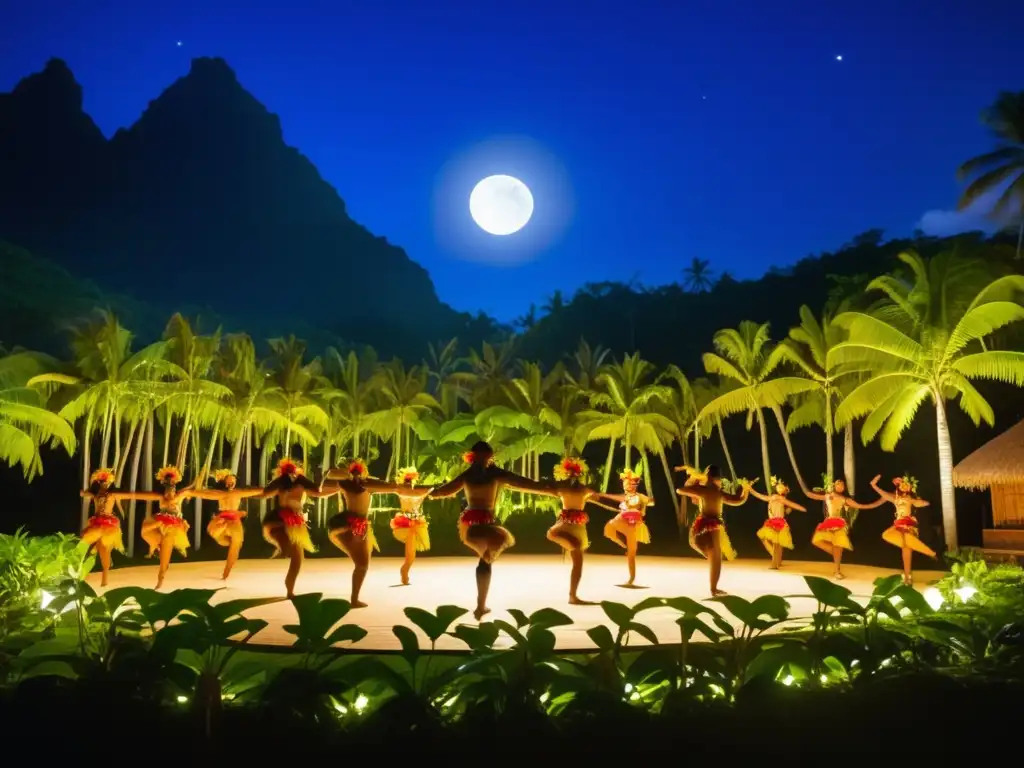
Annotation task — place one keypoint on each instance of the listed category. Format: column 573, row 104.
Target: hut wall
column 1008, row 506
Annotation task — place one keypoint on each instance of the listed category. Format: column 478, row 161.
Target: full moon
column 501, row 205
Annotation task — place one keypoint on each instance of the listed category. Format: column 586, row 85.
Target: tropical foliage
column 205, row 399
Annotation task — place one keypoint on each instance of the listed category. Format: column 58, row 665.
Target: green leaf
column 619, row 614
column 519, row 617
column 601, row 637
column 828, row 593
column 410, row 644
column 549, row 617
column 435, row 625
column 479, row 638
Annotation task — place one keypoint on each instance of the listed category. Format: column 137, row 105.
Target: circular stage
column 526, row 582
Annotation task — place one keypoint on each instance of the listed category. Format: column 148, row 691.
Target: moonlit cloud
column 977, row 217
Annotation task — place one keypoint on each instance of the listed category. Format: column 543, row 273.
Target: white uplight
column 501, row 205
column 966, row 592
column 361, row 702
column 45, row 599
column 933, row 597
column 788, row 680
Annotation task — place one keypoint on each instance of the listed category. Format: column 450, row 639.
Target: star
column 838, row 58
column 179, row 43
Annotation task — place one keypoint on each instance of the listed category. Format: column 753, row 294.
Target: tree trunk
column 607, row 467
column 725, row 447
column 167, row 436
column 105, row 450
column 1020, row 238
column 946, row 475
column 765, row 465
column 203, row 473
column 829, row 463
column 147, row 471
column 675, row 497
column 264, row 465
column 789, row 449
column 248, row 456
column 849, row 464
column 236, row 450
column 133, row 484
column 117, row 446
column 86, row 469
column 119, row 466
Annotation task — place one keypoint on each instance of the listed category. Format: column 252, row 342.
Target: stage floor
column 526, row 582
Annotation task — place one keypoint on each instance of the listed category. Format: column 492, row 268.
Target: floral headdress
column 630, row 475
column 911, row 481
column 469, row 457
column 357, row 468
column 827, row 484
column 776, row 481
column 408, row 475
column 288, row 467
column 102, row 476
column 168, row 476
column 222, row 475
column 569, row 467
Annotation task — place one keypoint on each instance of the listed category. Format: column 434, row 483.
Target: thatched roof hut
column 1000, row 461
column 999, row 466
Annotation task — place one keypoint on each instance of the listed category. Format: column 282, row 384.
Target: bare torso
column 776, row 506
column 634, row 502
column 835, row 503
column 292, row 498
column 411, row 500
column 904, row 506
column 575, row 496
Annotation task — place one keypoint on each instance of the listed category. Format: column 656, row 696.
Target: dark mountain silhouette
column 201, row 202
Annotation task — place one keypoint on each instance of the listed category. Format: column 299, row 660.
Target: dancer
column 409, row 526
column 226, row 526
column 627, row 528
column 103, row 530
column 285, row 527
column 478, row 527
column 775, row 533
column 903, row 533
column 833, row 535
column 570, row 531
column 707, row 534
column 351, row 530
column 166, row 530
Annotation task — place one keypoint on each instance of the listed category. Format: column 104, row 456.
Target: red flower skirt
column 575, row 517
column 173, row 521
column 777, row 524
column 477, row 517
column 832, row 524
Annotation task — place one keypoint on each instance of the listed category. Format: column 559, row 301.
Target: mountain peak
column 53, row 89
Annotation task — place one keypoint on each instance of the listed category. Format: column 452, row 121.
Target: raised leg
column 151, row 535
column 611, row 531
column 166, row 548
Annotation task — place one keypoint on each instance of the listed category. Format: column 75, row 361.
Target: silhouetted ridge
column 200, row 202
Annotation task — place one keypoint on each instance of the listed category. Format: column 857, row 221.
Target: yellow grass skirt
column 173, row 527
column 773, row 533
column 572, row 522
column 226, row 527
column 904, row 534
column 104, row 530
column 833, row 531
column 404, row 526
column 295, row 528
column 624, row 521
column 359, row 525
column 477, row 524
column 700, row 536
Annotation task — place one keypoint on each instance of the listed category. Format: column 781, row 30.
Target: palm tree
column 630, row 413
column 25, row 423
column 489, row 372
column 1002, row 168
column 405, row 401
column 697, row 276
column 445, row 361
column 529, row 394
column 704, row 391
column 746, row 356
column 927, row 341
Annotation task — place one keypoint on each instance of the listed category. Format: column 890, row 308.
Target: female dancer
column 410, row 525
column 226, row 526
column 167, row 529
column 775, row 534
column 570, row 531
column 903, row 533
column 627, row 529
column 351, row 530
column 285, row 527
column 707, row 534
column 833, row 535
column 103, row 531
column 478, row 527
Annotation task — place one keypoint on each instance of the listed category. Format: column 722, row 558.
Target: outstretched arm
column 248, row 493
column 405, row 492
column 449, row 489
column 695, row 492
column 736, row 499
column 874, row 504
column 142, row 496
column 381, row 486
column 761, row 496
column 816, row 496
column 211, row 495
column 921, row 503
column 525, row 484
column 596, row 499
column 885, row 495
column 788, row 503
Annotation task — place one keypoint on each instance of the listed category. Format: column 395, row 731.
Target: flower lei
column 168, row 476
column 288, row 467
column 357, row 468
column 570, row 467
column 909, row 480
column 221, row 475
column 102, row 476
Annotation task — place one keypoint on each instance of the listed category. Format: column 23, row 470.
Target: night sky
column 650, row 131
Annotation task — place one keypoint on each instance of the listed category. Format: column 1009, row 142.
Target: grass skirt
column 775, row 531
column 105, row 530
column 173, row 527
column 700, row 538
column 359, row 525
column 479, row 525
column 903, row 533
column 833, row 531
column 294, row 525
column 632, row 520
column 404, row 526
column 572, row 522
column 226, row 527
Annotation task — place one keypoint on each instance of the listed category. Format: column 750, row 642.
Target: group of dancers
column 286, row 527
